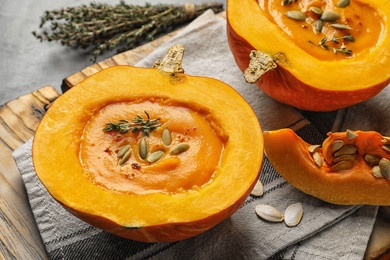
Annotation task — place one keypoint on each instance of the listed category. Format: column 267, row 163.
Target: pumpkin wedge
column 150, row 154
column 313, row 55
column 351, row 167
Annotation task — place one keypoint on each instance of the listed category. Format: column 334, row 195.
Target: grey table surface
column 26, row 64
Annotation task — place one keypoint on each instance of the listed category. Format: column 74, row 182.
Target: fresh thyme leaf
column 138, row 124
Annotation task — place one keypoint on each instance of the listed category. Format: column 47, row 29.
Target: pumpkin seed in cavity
column 296, row 15
column 155, row 156
column 384, row 166
column 125, row 157
column 343, row 3
column 293, row 214
column 258, row 190
column 318, row 159
column 123, row 150
column 372, row 159
column 313, row 148
column 143, row 149
column 269, row 213
column 166, row 137
column 376, row 172
column 340, row 26
column 386, row 147
column 344, row 157
column 345, row 150
column 316, row 10
column 343, row 165
column 336, row 145
column 180, row 148
column 329, row 16
column 351, row 134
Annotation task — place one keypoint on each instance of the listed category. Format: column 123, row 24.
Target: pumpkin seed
column 123, row 150
column 345, row 150
column 166, row 137
column 180, row 148
column 386, row 139
column 376, row 172
column 384, row 166
column 329, row 16
column 386, row 147
column 296, row 15
column 125, row 157
column 318, row 159
column 318, row 26
column 269, row 213
column 372, row 159
column 293, row 214
column 316, row 10
column 143, row 149
column 343, row 3
column 343, row 165
column 340, row 26
column 313, row 148
column 155, row 156
column 336, row 145
column 344, row 157
column 351, row 134
column 258, row 190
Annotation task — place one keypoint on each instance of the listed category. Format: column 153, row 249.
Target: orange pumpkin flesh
column 173, row 199
column 290, row 156
column 308, row 76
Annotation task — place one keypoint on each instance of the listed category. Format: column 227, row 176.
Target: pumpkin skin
column 301, row 79
column 290, row 156
column 153, row 216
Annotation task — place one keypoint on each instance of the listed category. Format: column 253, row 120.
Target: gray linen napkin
column 326, row 231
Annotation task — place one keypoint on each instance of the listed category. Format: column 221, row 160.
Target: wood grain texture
column 19, row 118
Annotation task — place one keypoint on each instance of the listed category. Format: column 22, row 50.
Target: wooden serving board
column 19, row 118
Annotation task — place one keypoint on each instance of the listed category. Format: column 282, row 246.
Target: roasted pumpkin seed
column 166, row 137
column 376, row 172
column 318, row 26
column 123, row 150
column 340, row 26
column 384, row 166
column 351, row 134
column 336, row 145
column 143, row 149
column 125, row 157
column 345, row 150
column 155, row 156
column 343, row 3
column 293, row 214
column 268, row 213
column 316, row 10
column 329, row 16
column 258, row 190
column 296, row 15
column 343, row 165
column 180, row 148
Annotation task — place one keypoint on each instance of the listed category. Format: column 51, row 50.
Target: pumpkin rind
column 304, row 81
column 289, row 155
column 156, row 216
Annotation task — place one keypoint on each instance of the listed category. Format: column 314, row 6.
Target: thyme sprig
column 138, row 124
column 103, row 27
column 323, row 43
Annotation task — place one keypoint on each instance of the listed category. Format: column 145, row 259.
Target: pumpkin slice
column 349, row 168
column 313, row 55
column 150, row 154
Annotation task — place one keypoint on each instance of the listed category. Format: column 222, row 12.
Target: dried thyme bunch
column 102, row 27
